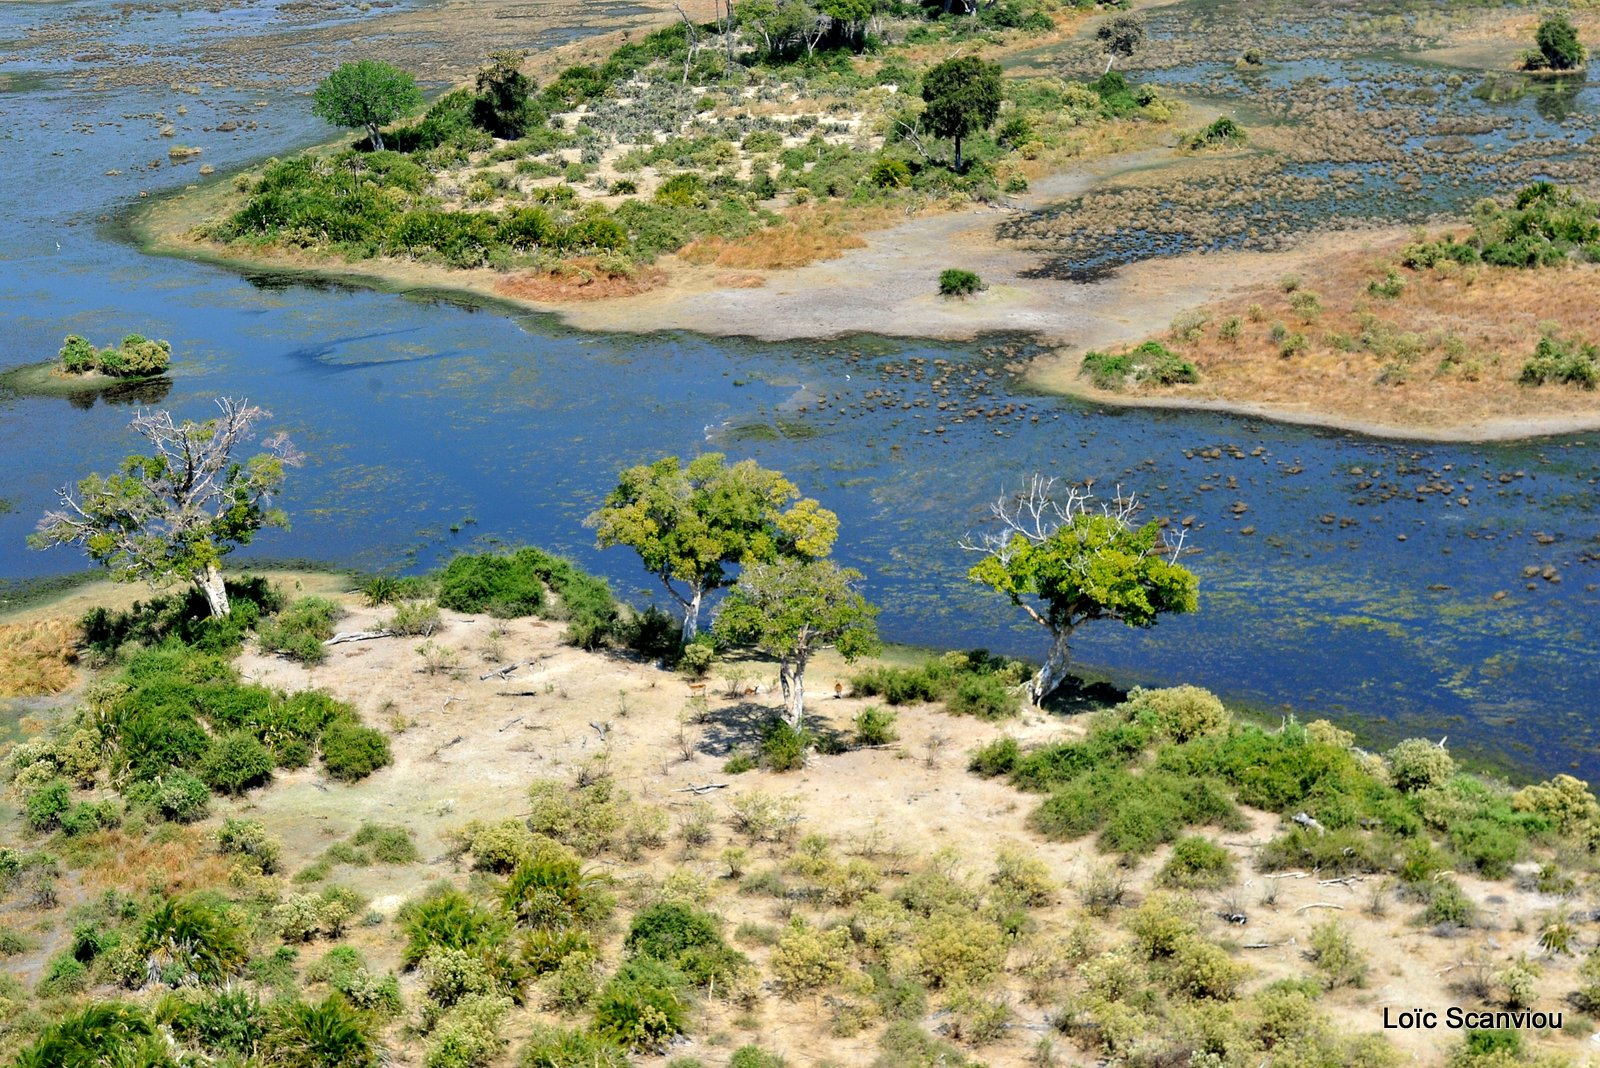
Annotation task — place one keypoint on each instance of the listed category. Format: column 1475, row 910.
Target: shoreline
column 802, row 303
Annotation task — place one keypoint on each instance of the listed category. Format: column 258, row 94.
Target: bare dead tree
column 1049, row 553
column 175, row 513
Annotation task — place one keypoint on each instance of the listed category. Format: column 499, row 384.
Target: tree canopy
column 366, row 94
column 1064, row 564
column 1559, row 47
column 791, row 608
column 1121, row 36
column 174, row 514
column 504, row 104
column 963, row 97
column 691, row 524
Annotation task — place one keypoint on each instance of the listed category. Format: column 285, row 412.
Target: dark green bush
column 193, row 938
column 176, row 796
column 97, row 1036
column 782, row 747
column 46, row 804
column 448, row 919
column 1223, row 131
column 642, row 1006
column 184, row 617
column 86, row 817
column 351, row 751
column 666, row 931
column 64, row 975
column 1342, row 851
column 386, row 843
column 300, row 629
column 492, row 584
column 228, row 1021
column 956, row 282
column 237, row 762
column 327, row 1034
column 560, row 1047
column 999, row 757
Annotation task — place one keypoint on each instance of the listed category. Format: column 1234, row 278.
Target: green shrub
column 352, row 752
column 755, row 1057
column 988, row 697
column 641, row 1007
column 875, row 726
column 414, row 618
column 300, row 629
column 955, row 282
column 102, row 1034
column 468, row 1036
column 179, row 797
column 782, row 747
column 1180, row 712
column 1223, row 131
column 1343, row 851
column 1197, row 863
column 894, row 174
column 498, row 585
column 1417, row 764
column 447, row 918
column 1448, row 905
column 999, row 757
column 559, row 1047
column 46, row 804
column 807, row 959
column 1338, row 961
column 327, row 1034
column 64, row 975
column 77, row 355
column 237, row 762
column 1563, row 361
column 905, row 1045
column 229, row 1021
column 86, row 817
column 190, row 938
column 1559, row 47
column 387, row 843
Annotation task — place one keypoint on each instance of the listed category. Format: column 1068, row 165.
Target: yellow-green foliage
column 958, row 949
column 1161, row 923
column 1417, row 764
column 1325, row 733
column 1201, row 969
column 497, row 847
column 588, row 817
column 1023, row 878
column 1338, row 961
column 469, row 1034
column 1179, row 712
column 1564, row 799
column 830, row 879
column 808, row 958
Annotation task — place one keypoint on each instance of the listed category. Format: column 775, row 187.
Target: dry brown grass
column 808, row 235
column 1468, row 331
column 579, row 280
column 37, row 658
column 118, row 861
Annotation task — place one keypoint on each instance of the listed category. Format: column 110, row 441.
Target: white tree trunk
column 691, row 617
column 792, row 676
column 1054, row 671
column 376, row 136
column 216, row 591
column 1109, row 60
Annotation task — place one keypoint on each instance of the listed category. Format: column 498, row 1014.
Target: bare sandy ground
column 467, row 748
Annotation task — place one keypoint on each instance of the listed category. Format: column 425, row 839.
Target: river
column 1364, row 590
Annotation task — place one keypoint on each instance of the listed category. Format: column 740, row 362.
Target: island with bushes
column 79, row 366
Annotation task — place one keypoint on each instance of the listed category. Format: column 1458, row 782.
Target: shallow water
column 419, row 414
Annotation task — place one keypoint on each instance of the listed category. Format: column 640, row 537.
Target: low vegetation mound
column 136, row 356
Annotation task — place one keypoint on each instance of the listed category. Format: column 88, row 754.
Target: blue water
column 421, row 413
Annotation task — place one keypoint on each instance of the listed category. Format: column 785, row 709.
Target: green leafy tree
column 791, row 608
column 175, row 514
column 963, row 97
column 690, row 524
column 366, row 94
column 1064, row 564
column 1559, row 47
column 849, row 17
column 504, row 105
column 1121, row 36
column 781, row 24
